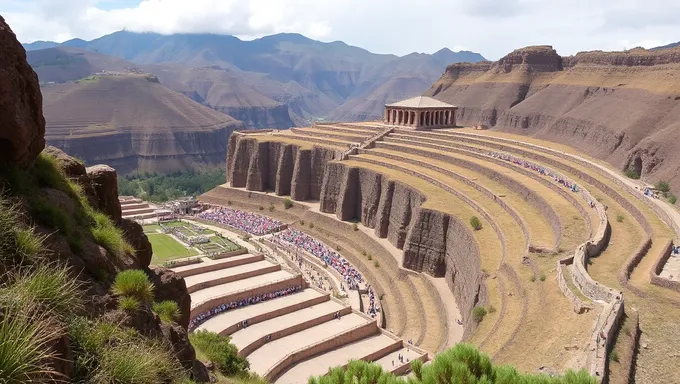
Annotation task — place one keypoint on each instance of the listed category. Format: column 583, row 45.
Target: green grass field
column 166, row 248
column 151, row 228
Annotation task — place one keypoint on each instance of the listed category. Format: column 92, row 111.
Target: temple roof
column 421, row 102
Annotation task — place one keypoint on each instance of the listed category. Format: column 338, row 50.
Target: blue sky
column 490, row 27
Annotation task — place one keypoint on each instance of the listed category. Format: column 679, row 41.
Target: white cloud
column 491, row 27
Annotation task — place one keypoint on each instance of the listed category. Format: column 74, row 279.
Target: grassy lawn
column 151, row 228
column 166, row 248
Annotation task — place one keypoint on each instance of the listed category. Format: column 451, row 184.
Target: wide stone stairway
column 291, row 331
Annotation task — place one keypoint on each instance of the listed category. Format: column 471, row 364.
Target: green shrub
column 475, row 223
column 18, row 245
column 532, row 278
column 219, row 351
column 614, row 356
column 28, row 244
column 261, row 208
column 492, row 309
column 25, row 340
column 672, row 199
column 663, row 186
column 49, row 286
column 417, row 368
column 54, row 216
column 134, row 283
column 632, row 174
column 311, row 225
column 128, row 304
column 619, row 218
column 376, row 264
column 478, row 314
column 542, row 277
column 167, row 310
column 302, row 222
column 460, row 364
column 355, row 226
column 369, row 257
column 287, row 203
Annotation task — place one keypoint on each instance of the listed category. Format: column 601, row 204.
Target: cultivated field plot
column 166, row 248
column 219, row 244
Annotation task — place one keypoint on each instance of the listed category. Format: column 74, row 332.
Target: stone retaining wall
column 654, row 277
column 576, row 302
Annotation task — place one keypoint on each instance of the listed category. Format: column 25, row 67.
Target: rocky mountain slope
column 63, row 242
column 623, row 107
column 255, row 81
column 134, row 123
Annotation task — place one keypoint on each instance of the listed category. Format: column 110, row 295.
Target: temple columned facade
column 421, row 112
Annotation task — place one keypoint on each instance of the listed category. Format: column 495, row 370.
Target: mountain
column 311, row 79
column 134, row 123
column 622, row 107
column 62, row 64
column 672, row 45
column 40, row 45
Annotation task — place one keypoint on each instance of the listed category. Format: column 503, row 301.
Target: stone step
column 207, row 264
column 252, row 337
column 273, row 357
column 228, row 275
column 228, row 322
column 379, row 345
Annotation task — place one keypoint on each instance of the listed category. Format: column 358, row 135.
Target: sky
column 490, row 27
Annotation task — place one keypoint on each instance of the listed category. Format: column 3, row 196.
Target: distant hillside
column 672, row 45
column 62, row 64
column 134, row 123
column 623, row 107
column 310, row 79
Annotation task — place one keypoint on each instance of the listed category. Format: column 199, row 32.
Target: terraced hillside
column 564, row 241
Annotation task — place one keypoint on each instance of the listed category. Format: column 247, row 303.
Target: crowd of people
column 203, row 316
column 535, row 167
column 245, row 221
column 372, row 307
column 301, row 240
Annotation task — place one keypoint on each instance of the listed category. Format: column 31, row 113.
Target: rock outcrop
column 261, row 165
column 622, row 107
column 61, row 215
column 21, row 119
column 170, row 286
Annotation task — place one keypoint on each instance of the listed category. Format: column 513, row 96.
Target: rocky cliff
column 133, row 123
column 62, row 243
column 622, row 107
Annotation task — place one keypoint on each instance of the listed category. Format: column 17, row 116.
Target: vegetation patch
column 632, row 174
column 460, row 364
column 478, row 314
column 475, row 223
column 166, row 248
column 163, row 187
column 167, row 310
column 133, row 283
column 218, row 350
column 287, row 203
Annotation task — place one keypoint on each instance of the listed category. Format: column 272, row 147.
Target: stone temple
column 421, row 112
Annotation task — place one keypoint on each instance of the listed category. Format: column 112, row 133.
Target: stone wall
column 576, row 302
column 231, row 278
column 208, row 267
column 654, row 277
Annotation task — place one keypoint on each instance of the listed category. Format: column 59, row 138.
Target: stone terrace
column 549, row 263
column 305, row 320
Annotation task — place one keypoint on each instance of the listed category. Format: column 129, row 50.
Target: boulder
column 170, row 286
column 72, row 167
column 200, row 373
column 134, row 234
column 22, row 125
column 105, row 183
